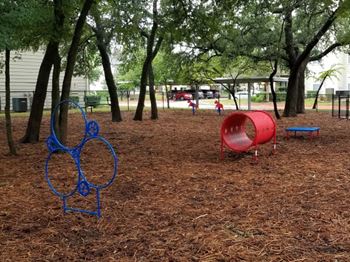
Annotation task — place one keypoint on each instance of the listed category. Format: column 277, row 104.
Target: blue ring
column 49, row 181
column 115, row 158
column 56, row 111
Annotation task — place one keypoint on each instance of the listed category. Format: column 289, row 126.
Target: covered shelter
column 250, row 81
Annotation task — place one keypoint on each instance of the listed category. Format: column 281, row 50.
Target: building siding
column 24, row 72
column 338, row 60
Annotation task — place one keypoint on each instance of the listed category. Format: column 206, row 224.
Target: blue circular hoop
column 51, row 144
column 49, row 181
column 55, row 112
column 115, row 158
column 83, row 186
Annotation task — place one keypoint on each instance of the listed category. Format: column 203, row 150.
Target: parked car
column 183, row 96
column 200, row 95
column 209, row 94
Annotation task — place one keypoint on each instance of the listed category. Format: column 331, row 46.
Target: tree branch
column 325, row 52
column 316, row 38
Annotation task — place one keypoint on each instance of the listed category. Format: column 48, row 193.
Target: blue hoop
column 115, row 158
column 53, row 120
column 57, row 193
column 83, row 186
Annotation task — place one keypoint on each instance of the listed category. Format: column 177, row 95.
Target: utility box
column 19, row 104
column 329, row 91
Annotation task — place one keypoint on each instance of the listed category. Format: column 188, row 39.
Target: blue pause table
column 310, row 130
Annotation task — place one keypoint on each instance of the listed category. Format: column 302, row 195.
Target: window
column 315, row 87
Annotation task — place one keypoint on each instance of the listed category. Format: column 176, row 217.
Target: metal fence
column 128, row 100
column 340, row 106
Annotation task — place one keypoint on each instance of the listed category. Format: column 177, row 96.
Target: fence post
column 332, row 105
column 167, row 99
column 347, row 107
column 339, row 106
column 239, row 101
column 128, row 98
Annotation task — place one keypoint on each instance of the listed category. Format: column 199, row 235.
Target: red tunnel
column 233, row 130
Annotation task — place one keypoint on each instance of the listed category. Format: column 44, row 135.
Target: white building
column 24, row 69
column 337, row 60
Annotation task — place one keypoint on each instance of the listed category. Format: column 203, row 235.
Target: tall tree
column 248, row 28
column 152, row 48
column 6, row 41
column 318, row 22
column 103, row 40
column 10, row 142
column 55, row 92
column 330, row 73
column 71, row 58
column 152, row 93
column 36, row 113
column 16, row 32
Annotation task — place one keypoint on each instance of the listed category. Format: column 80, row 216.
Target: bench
column 312, row 131
column 92, row 101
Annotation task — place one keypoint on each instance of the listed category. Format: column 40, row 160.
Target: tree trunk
column 71, row 58
column 11, row 144
column 318, row 92
column 102, row 43
column 274, row 97
column 36, row 112
column 232, row 91
column 167, row 96
column 112, row 89
column 143, row 85
column 295, row 104
column 301, row 88
column 150, row 55
column 290, row 108
column 152, row 94
column 196, row 95
column 55, row 94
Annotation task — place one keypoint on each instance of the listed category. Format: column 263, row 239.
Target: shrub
column 259, row 98
column 311, row 94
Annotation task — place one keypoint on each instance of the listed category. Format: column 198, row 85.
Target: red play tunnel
column 235, row 137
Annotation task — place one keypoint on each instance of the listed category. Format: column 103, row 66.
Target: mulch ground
column 175, row 200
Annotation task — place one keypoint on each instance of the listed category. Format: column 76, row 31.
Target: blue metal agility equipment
column 83, row 186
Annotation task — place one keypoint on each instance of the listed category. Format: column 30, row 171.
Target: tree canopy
column 188, row 41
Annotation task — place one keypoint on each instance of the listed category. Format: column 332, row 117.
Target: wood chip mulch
column 175, row 200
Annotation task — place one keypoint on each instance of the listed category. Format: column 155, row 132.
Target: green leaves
column 24, row 24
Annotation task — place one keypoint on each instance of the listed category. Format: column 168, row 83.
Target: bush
column 259, row 98
column 280, row 96
column 311, row 94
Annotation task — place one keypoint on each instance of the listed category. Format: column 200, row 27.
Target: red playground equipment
column 234, row 136
column 193, row 105
column 219, row 107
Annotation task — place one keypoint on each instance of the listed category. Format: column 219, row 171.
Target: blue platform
column 302, row 129
column 310, row 130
